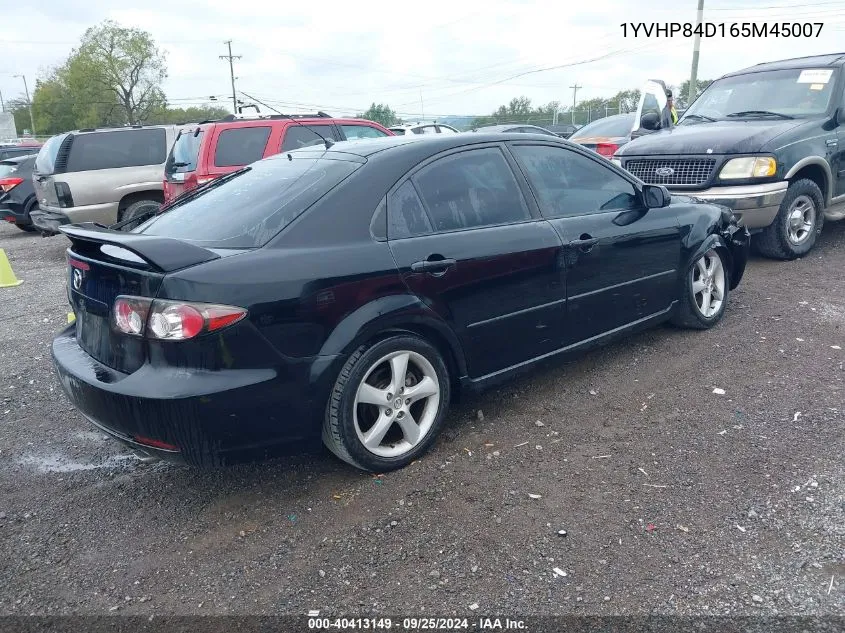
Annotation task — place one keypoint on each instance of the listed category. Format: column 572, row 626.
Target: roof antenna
column 326, row 141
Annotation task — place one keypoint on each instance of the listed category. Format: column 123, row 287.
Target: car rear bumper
column 203, row 418
column 755, row 206
column 14, row 213
column 51, row 218
column 48, row 222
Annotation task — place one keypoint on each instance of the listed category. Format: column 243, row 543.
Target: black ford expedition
column 767, row 141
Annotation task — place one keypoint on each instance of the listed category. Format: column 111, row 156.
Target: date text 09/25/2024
column 722, row 29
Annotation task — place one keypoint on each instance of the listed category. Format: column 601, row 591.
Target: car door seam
column 624, row 283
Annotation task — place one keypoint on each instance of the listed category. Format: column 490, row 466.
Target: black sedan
column 511, row 128
column 353, row 291
column 17, row 195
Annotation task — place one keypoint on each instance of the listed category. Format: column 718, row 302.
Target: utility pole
column 574, row 93
column 28, row 103
column 695, row 48
column 231, row 59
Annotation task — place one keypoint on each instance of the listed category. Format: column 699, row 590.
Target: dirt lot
column 674, row 499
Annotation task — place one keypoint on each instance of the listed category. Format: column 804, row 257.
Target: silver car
column 102, row 175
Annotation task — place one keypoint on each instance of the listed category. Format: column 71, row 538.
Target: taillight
column 171, row 320
column 607, row 149
column 63, row 195
column 7, row 184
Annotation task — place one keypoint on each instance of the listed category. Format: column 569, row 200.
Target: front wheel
column 388, row 404
column 798, row 223
column 705, row 295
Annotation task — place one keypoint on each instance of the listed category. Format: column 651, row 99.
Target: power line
column 231, row 59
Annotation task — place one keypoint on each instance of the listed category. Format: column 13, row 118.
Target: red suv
column 204, row 151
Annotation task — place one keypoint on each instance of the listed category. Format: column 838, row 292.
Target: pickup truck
column 767, row 141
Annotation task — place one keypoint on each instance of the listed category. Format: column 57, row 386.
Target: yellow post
column 7, row 275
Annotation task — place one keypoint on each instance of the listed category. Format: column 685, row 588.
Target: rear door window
column 361, row 131
column 113, row 150
column 297, row 136
column 240, row 146
column 247, row 208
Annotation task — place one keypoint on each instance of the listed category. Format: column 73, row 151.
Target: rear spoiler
column 164, row 253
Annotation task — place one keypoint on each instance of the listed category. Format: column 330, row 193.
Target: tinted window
column 297, row 136
column 183, row 156
column 471, row 189
column 407, row 217
column 568, row 184
column 112, row 150
column 445, row 129
column 46, row 161
column 611, row 126
column 240, row 146
column 248, row 208
column 361, row 131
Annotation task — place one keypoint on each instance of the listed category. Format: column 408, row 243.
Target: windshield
column 183, row 156
column 253, row 205
column 46, row 161
column 611, row 126
column 794, row 93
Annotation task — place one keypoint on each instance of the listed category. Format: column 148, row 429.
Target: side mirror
column 650, row 121
column 656, row 196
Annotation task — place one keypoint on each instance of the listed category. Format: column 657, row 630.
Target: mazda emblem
column 77, row 279
column 664, row 171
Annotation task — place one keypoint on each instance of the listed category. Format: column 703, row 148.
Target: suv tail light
column 7, row 184
column 607, row 149
column 162, row 320
column 63, row 195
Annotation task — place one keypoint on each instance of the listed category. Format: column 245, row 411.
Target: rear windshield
column 252, row 205
column 606, row 127
column 46, row 161
column 183, row 156
column 7, row 169
column 240, row 146
column 112, row 150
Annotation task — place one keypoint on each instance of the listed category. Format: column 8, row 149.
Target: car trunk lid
column 104, row 264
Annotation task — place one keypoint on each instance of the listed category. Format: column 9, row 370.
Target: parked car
column 11, row 150
column 509, row 128
column 101, row 175
column 353, row 292
column 767, row 141
column 423, row 128
column 17, row 195
column 605, row 136
column 564, row 130
column 208, row 150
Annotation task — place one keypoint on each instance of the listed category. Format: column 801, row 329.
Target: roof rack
column 113, row 127
column 241, row 117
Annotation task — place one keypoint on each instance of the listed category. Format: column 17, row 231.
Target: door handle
column 585, row 242
column 431, row 265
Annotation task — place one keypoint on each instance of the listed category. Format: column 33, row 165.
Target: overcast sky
column 434, row 58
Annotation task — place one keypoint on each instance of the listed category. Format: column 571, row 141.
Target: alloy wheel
column 801, row 219
column 708, row 284
column 396, row 404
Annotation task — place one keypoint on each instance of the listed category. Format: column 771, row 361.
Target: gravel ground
column 674, row 499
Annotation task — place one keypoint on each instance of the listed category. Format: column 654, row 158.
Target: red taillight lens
column 7, row 184
column 607, row 149
column 171, row 320
column 148, row 441
column 130, row 315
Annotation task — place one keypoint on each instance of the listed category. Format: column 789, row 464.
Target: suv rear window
column 247, row 208
column 7, row 168
column 112, row 150
column 183, row 156
column 240, row 146
column 46, row 161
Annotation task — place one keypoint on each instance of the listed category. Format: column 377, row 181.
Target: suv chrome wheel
column 802, row 219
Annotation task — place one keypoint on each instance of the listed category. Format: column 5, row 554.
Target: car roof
column 364, row 148
column 813, row 61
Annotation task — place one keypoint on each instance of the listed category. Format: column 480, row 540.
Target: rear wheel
column 798, row 223
column 388, row 404
column 142, row 209
column 706, row 292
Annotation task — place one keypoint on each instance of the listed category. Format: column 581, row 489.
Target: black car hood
column 719, row 137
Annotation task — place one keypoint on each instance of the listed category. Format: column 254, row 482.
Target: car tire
column 29, row 228
column 798, row 223
column 382, row 437
column 699, row 307
column 136, row 209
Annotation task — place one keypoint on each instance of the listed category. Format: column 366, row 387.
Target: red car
column 204, row 151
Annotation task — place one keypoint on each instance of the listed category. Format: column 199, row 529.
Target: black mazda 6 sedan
column 354, row 290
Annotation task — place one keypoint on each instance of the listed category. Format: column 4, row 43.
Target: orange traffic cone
column 7, row 275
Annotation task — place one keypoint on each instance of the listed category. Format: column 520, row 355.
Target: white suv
column 423, row 128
